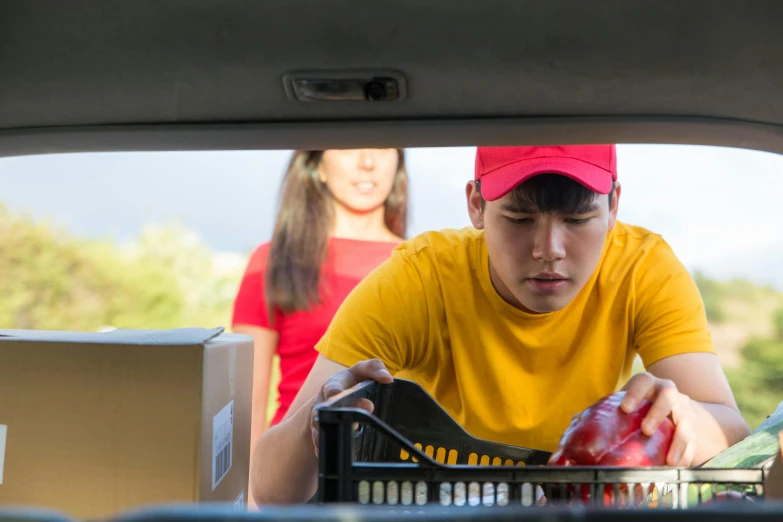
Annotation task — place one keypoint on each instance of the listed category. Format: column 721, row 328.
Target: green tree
column 712, row 294
column 758, row 382
column 52, row 281
column 778, row 321
column 207, row 293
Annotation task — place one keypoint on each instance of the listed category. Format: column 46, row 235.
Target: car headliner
column 99, row 75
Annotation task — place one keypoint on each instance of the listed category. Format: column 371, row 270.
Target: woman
column 341, row 213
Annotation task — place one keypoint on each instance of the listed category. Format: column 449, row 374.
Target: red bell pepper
column 604, row 435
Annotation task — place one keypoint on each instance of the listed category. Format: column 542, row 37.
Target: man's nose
column 548, row 245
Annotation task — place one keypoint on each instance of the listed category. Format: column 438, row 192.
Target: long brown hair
column 301, row 236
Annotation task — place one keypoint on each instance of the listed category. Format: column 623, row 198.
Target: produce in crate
column 604, row 435
column 727, row 496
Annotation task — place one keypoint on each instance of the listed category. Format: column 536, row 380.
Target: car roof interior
column 113, row 75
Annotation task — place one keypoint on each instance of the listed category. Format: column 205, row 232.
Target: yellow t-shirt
column 433, row 316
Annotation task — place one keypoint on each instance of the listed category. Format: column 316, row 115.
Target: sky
column 717, row 207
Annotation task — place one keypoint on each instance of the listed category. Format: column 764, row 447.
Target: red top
column 348, row 262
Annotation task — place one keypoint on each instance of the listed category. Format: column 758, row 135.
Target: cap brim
column 500, row 182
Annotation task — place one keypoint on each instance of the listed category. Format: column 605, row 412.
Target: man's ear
column 475, row 211
column 615, row 205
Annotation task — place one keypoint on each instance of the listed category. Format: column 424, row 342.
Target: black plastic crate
column 410, row 452
column 768, row 512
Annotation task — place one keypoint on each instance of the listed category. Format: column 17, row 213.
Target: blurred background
column 160, row 240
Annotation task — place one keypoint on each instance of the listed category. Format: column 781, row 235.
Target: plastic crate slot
column 418, row 447
column 547, row 489
column 502, row 494
column 616, row 494
column 377, row 492
column 489, row 494
column 520, row 463
column 407, row 493
column 509, row 462
column 652, row 496
column 364, row 492
column 657, row 496
column 404, row 455
column 392, row 493
column 645, row 492
column 460, row 494
column 497, row 461
column 440, row 455
column 688, row 491
column 445, row 494
column 527, row 495
column 430, row 451
column 472, row 459
column 421, row 493
column 665, row 495
column 485, row 460
column 474, row 494
column 453, row 456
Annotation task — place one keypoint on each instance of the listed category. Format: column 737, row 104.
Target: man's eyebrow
column 592, row 206
column 516, row 209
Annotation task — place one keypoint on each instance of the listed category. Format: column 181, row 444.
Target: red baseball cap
column 500, row 169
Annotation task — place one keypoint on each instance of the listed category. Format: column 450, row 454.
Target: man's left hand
column 666, row 401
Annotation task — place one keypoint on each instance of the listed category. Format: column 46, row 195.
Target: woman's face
column 361, row 179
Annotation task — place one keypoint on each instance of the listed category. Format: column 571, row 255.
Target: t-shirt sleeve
column 670, row 317
column 250, row 302
column 385, row 316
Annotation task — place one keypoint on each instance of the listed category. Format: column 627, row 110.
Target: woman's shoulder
column 357, row 258
column 258, row 257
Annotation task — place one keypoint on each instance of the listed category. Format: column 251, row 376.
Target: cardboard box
column 95, row 423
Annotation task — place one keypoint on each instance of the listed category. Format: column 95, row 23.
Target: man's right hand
column 374, row 370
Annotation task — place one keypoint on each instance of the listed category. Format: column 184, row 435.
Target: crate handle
column 340, row 409
column 347, row 398
column 342, row 404
column 362, row 417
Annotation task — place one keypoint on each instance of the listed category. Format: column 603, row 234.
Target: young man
column 522, row 321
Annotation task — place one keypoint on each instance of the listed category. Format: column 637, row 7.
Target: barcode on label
column 239, row 502
column 222, row 463
column 222, row 437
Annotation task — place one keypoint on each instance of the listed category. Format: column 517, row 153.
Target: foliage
column 758, row 382
column 711, row 293
column 51, row 281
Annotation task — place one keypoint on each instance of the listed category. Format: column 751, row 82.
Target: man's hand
column 374, row 369
column 667, row 401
